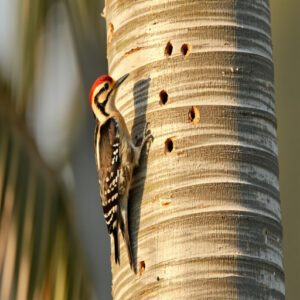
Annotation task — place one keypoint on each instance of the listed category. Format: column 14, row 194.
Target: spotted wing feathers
column 109, row 173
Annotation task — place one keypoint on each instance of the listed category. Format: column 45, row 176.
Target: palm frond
column 39, row 254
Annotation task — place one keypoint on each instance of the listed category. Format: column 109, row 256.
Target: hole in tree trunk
column 111, row 29
column 168, row 49
column 163, row 95
column 186, row 49
column 169, row 146
column 194, row 115
column 142, row 267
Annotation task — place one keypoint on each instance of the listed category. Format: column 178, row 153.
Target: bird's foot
column 147, row 137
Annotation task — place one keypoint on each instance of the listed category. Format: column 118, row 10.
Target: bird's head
column 102, row 96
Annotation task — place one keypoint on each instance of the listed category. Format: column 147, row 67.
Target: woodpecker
column 116, row 157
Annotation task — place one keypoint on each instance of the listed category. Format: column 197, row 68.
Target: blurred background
column 53, row 240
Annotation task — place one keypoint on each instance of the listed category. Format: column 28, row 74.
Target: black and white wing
column 108, row 158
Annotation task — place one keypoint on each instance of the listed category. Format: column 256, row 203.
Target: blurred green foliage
column 39, row 255
column 286, row 43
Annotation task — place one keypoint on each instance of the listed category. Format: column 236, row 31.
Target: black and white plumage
column 114, row 175
column 116, row 157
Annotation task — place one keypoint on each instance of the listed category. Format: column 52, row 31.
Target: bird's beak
column 120, row 80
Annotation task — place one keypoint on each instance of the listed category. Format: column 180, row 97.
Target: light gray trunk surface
column 205, row 216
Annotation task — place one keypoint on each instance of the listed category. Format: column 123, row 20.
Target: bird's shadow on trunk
column 140, row 93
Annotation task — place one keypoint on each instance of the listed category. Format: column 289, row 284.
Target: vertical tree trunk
column 205, row 213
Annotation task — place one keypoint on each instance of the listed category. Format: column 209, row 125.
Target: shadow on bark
column 140, row 94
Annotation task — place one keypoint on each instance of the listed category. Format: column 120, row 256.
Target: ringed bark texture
column 205, row 217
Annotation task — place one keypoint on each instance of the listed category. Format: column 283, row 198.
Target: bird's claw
column 146, row 129
column 147, row 136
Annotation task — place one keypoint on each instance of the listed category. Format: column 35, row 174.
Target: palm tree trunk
column 205, row 217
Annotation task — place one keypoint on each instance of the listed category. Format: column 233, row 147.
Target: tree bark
column 205, row 217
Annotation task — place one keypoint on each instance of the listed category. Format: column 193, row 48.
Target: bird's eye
column 106, row 86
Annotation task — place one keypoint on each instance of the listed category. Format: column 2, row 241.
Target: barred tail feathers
column 129, row 250
column 125, row 233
